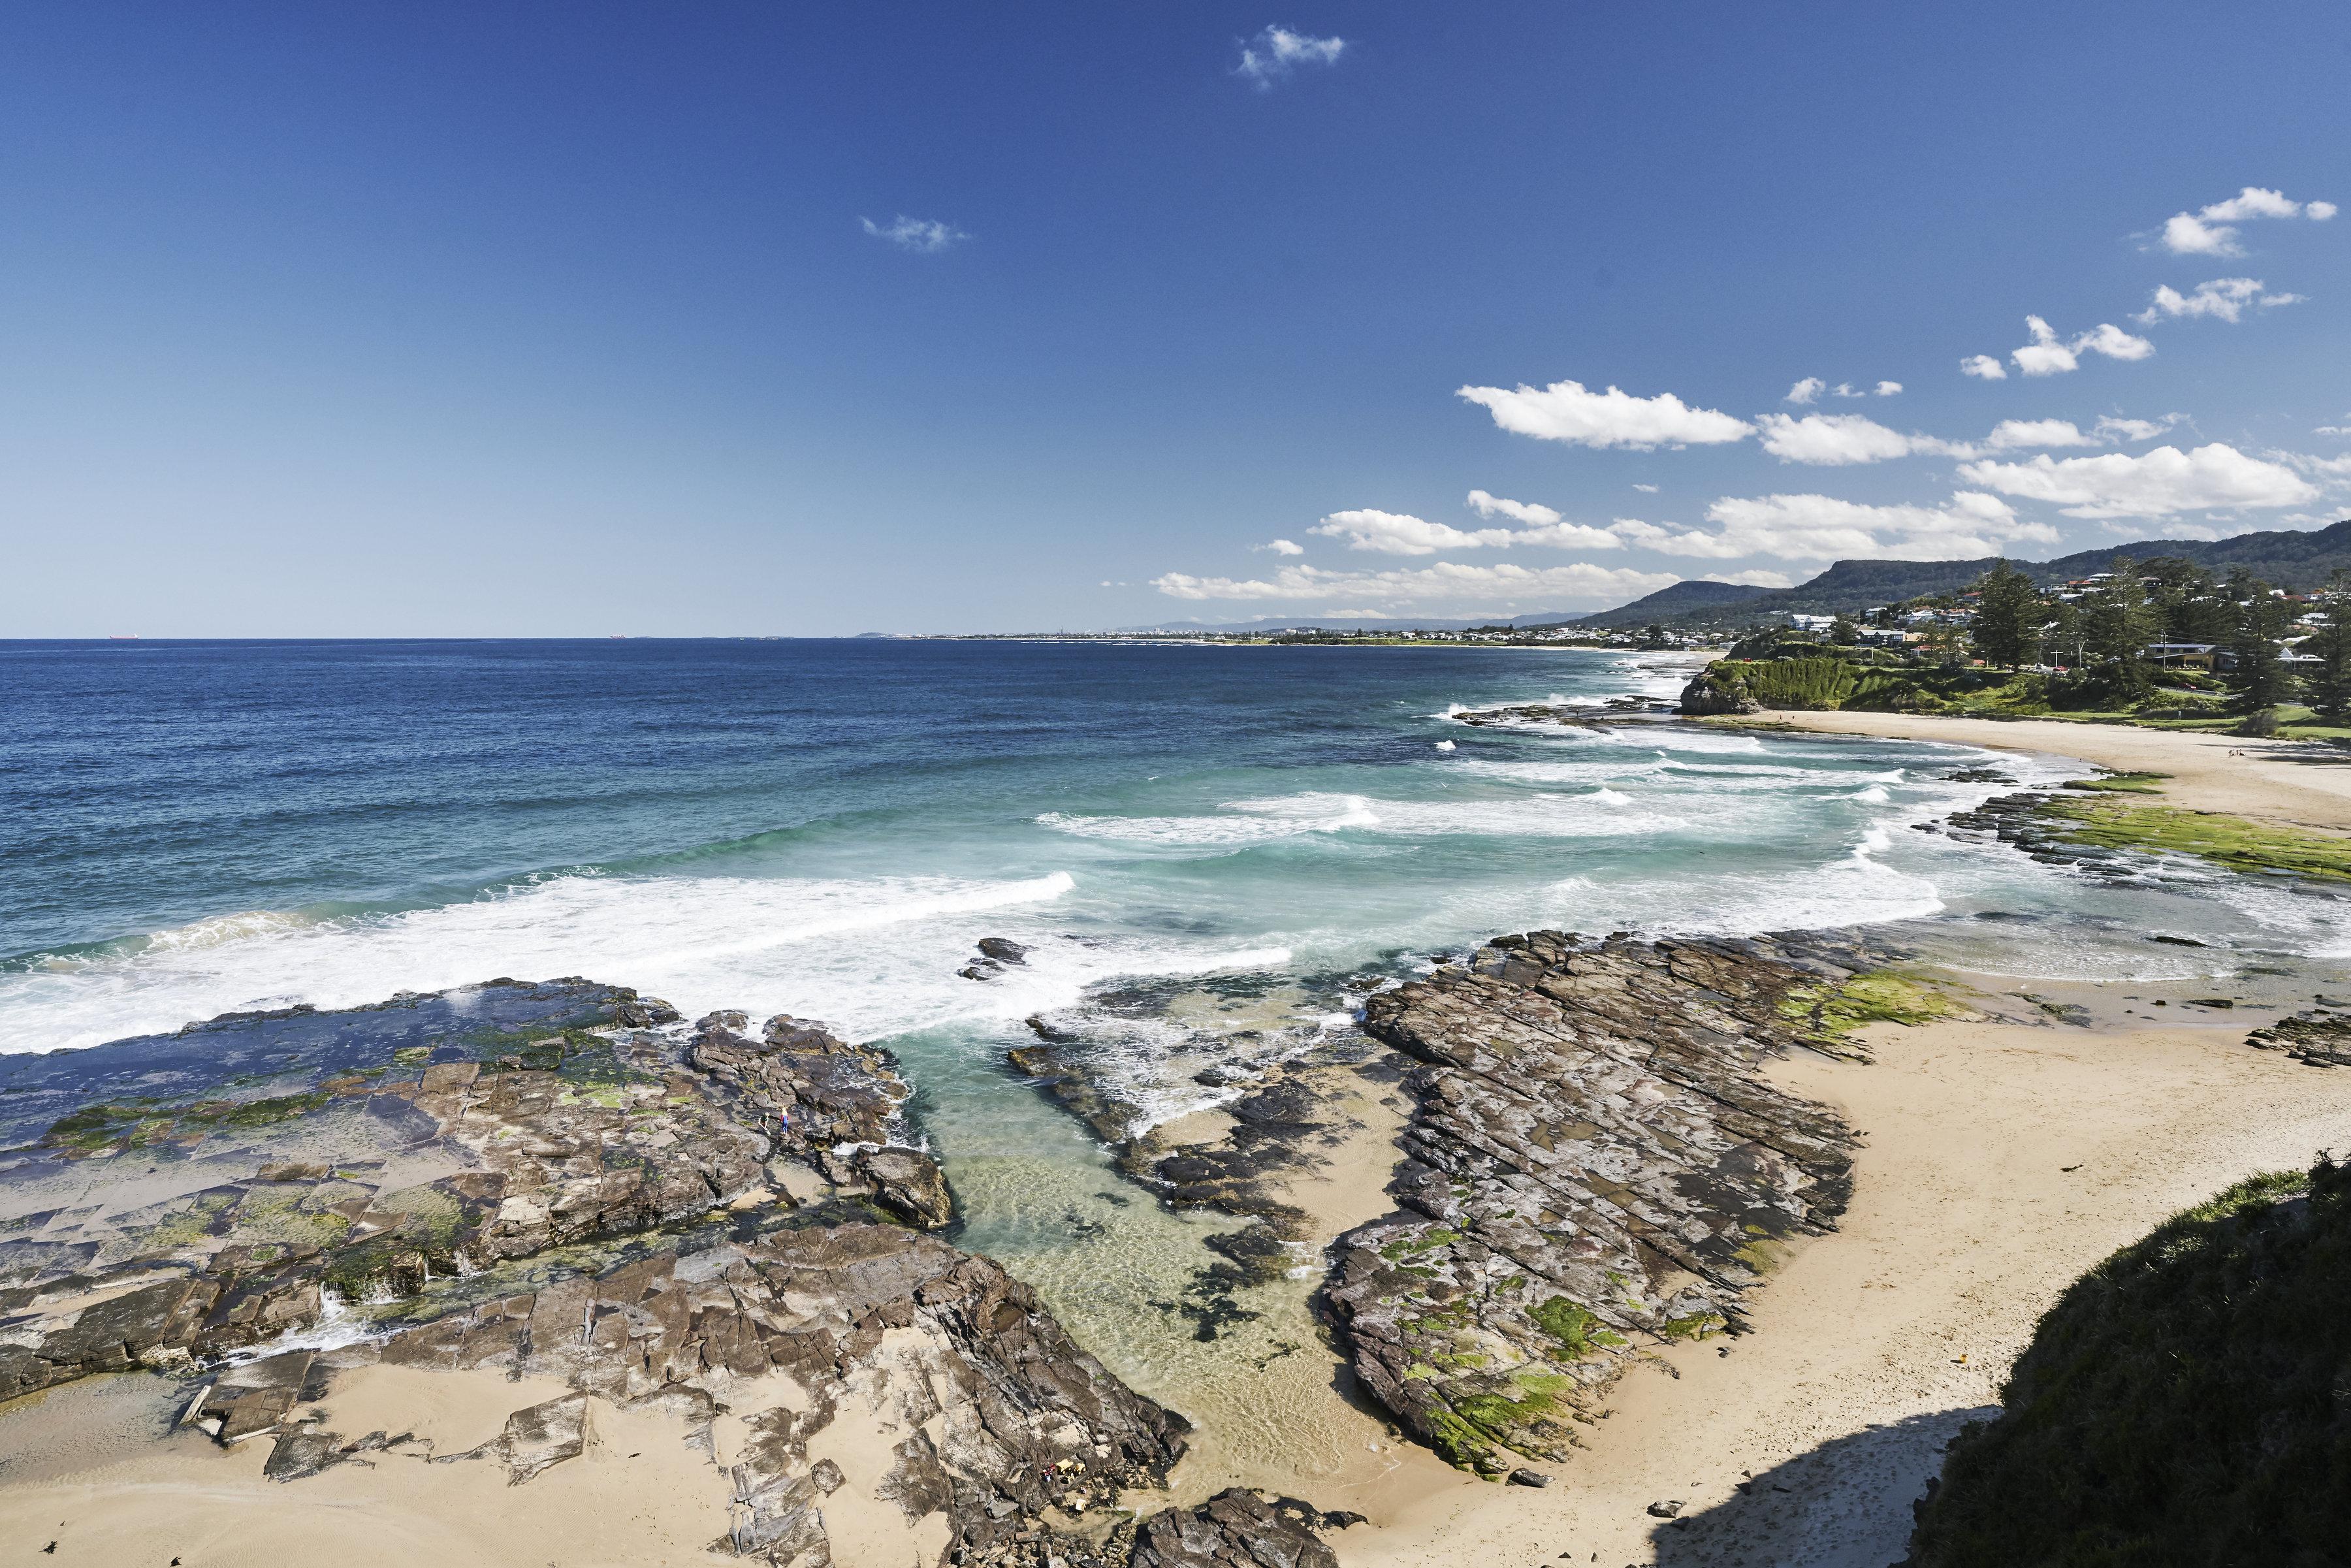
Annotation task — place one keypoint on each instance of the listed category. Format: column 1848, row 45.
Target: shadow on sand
column 1844, row 1504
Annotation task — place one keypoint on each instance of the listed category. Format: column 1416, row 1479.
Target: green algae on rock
column 1827, row 1013
column 1597, row 1164
column 2237, row 842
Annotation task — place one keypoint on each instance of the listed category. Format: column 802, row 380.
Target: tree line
column 2100, row 637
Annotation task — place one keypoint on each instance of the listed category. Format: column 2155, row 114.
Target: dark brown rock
column 1238, row 1529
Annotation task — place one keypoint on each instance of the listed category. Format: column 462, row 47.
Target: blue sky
column 577, row 319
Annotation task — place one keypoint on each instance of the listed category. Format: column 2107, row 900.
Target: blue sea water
column 826, row 827
column 1210, row 851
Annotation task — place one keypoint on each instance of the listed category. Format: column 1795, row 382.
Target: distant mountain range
column 2285, row 558
column 1693, row 597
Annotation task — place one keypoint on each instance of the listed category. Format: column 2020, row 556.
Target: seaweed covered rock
column 1596, row 1163
column 2186, row 1401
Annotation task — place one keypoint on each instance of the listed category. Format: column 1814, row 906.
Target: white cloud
column 1809, row 390
column 1283, row 547
column 1834, row 440
column 1984, row 368
column 1565, row 410
column 1502, row 587
column 2048, row 355
column 1889, row 389
column 1845, row 388
column 1652, row 489
column 915, row 234
column 2012, row 433
column 1756, row 578
column 2211, row 231
column 2114, row 429
column 2322, row 467
column 2156, row 483
column 1838, row 440
column 1824, row 528
column 1487, row 506
column 1276, row 52
column 1400, row 533
column 2225, row 298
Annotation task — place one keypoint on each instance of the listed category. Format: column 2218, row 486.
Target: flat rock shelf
column 1596, row 1164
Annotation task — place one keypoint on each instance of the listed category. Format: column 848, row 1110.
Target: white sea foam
column 1246, row 822
column 764, row 945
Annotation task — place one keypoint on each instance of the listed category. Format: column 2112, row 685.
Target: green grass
column 2228, row 840
column 2186, row 1402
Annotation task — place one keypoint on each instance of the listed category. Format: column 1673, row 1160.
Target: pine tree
column 2117, row 623
column 2260, row 679
column 2330, row 682
column 2007, row 618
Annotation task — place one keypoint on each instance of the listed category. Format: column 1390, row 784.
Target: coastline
column 1997, row 1160
column 2301, row 784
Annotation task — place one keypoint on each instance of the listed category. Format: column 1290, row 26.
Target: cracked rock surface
column 1596, row 1164
column 564, row 1181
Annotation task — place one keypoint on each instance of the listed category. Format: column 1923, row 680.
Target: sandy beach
column 2000, row 1163
column 2303, row 783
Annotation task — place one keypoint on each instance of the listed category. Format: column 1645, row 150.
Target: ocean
column 1211, row 854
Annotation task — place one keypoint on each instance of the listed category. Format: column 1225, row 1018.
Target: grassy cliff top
column 2186, row 1401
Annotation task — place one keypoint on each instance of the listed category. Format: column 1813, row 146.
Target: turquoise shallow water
column 827, row 828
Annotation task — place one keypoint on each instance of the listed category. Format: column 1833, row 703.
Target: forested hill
column 1680, row 598
column 2283, row 557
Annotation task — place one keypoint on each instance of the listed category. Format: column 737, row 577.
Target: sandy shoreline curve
column 2305, row 783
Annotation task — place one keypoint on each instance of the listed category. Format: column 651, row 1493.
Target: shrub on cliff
column 2188, row 1401
column 1795, row 683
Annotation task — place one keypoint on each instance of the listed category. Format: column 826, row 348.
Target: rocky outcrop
column 1579, row 715
column 2319, row 1036
column 563, row 1181
column 808, row 1339
column 1711, row 694
column 825, row 1102
column 1239, row 1528
column 266, row 1165
column 1597, row 1163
